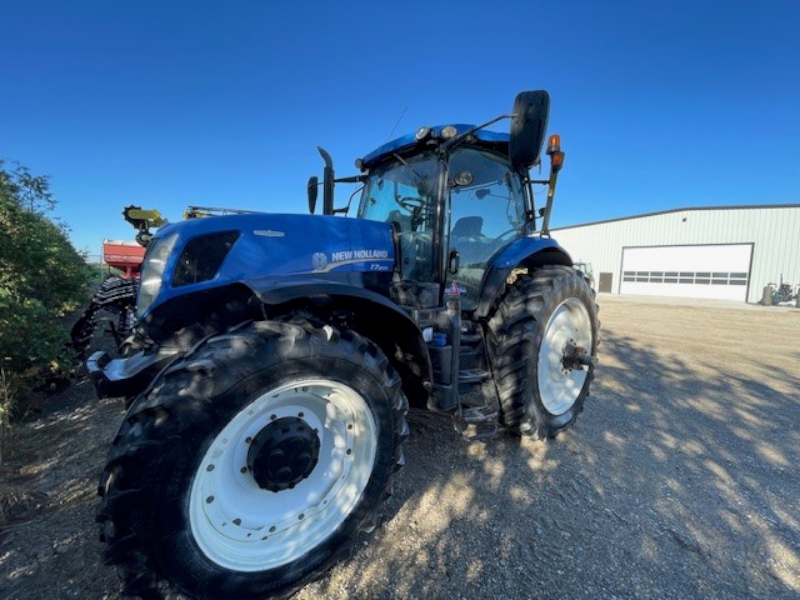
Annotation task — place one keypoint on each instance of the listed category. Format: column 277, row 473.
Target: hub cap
column 283, row 454
column 568, row 327
column 262, row 497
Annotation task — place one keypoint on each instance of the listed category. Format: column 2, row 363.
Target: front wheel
column 254, row 462
column 542, row 341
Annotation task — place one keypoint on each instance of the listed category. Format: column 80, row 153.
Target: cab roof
column 489, row 139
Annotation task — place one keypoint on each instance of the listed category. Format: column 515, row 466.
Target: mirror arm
column 452, row 142
column 352, row 179
column 551, row 192
column 556, row 163
column 530, row 208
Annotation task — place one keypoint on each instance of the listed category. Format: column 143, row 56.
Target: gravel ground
column 678, row 481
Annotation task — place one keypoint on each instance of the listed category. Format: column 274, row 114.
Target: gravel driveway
column 678, row 481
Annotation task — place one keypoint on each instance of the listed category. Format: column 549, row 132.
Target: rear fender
column 524, row 253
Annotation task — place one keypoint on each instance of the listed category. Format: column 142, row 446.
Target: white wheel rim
column 242, row 527
column 560, row 387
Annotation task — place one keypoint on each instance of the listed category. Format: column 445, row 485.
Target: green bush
column 42, row 278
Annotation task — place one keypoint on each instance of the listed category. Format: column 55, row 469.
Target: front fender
column 374, row 316
column 274, row 291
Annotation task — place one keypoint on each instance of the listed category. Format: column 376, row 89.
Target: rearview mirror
column 313, row 184
column 528, row 128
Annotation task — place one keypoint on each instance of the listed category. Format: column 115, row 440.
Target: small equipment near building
column 724, row 253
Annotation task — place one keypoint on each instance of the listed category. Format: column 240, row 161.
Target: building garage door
column 711, row 271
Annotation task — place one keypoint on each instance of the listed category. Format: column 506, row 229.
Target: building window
column 685, row 277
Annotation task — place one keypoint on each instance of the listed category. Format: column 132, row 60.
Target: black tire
column 146, row 511
column 516, row 336
column 115, row 295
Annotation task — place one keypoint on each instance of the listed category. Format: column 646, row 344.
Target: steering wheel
column 417, row 207
column 411, row 203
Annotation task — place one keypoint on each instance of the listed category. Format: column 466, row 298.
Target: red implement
column 126, row 256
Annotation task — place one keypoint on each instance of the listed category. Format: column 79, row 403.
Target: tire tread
column 149, row 438
column 513, row 329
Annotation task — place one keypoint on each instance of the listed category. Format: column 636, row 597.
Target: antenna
column 400, row 118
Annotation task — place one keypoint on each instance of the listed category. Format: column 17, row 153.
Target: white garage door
column 719, row 271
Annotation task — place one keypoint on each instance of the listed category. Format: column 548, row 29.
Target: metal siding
column 774, row 231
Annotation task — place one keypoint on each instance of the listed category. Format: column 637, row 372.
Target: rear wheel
column 253, row 463
column 542, row 340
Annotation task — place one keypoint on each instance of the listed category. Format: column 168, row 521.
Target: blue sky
column 659, row 105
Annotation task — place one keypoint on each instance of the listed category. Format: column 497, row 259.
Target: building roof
column 678, row 210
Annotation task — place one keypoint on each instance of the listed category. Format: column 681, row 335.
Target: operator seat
column 466, row 237
column 468, row 227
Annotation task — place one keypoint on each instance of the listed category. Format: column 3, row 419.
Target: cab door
column 486, row 213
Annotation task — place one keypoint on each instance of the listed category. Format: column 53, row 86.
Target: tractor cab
column 450, row 216
column 455, row 196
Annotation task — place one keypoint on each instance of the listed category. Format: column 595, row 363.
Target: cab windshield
column 404, row 192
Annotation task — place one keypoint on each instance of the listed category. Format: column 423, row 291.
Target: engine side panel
column 274, row 246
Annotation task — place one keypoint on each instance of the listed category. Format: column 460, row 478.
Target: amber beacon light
column 555, row 153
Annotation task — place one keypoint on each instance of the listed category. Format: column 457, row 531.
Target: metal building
column 723, row 252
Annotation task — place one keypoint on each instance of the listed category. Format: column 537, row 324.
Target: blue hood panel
column 278, row 245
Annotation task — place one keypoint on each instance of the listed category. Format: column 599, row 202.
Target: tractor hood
column 200, row 254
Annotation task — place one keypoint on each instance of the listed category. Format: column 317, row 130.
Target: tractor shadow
column 677, row 481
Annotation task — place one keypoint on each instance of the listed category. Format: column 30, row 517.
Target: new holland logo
column 319, row 261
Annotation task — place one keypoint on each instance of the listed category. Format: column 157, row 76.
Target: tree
column 42, row 278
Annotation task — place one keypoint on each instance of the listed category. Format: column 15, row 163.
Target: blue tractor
column 274, row 357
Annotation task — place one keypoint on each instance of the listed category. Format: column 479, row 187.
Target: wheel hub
column 566, row 343
column 574, row 357
column 283, row 454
